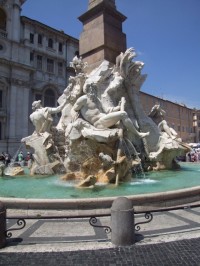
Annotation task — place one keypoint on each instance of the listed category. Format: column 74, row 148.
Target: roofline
column 29, row 20
column 166, row 100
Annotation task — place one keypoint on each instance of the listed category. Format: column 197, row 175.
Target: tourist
column 20, row 158
column 28, row 156
column 2, row 158
column 29, row 159
column 7, row 158
column 196, row 156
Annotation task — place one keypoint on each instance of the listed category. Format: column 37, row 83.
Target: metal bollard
column 2, row 225
column 122, row 222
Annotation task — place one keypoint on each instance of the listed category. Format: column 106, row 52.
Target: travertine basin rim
column 159, row 199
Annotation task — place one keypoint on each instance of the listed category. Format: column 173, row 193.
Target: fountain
column 102, row 139
column 103, row 132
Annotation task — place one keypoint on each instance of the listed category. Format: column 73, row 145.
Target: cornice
column 102, row 8
column 16, row 64
column 38, row 24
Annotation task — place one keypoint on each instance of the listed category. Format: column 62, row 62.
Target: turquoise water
column 53, row 188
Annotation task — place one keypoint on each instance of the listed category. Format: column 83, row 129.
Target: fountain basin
column 101, row 204
column 98, row 206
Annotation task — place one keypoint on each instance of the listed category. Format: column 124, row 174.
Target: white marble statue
column 70, row 94
column 158, row 114
column 78, row 64
column 41, row 116
column 107, row 161
column 102, row 109
column 92, row 111
column 114, row 85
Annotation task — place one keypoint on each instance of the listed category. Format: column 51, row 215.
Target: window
column 77, row 53
column 60, row 68
column 179, row 128
column 50, row 43
column 40, row 39
column 39, row 62
column 31, row 56
column 2, row 20
column 183, row 129
column 1, row 98
column 50, row 65
column 31, row 38
column 38, row 97
column 49, row 98
column 0, row 130
column 60, row 47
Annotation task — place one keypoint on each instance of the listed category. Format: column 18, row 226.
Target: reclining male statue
column 92, row 111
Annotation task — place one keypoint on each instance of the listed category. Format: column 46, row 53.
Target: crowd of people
column 22, row 159
column 193, row 156
column 5, row 158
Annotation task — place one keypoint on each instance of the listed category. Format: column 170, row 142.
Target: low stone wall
column 95, row 206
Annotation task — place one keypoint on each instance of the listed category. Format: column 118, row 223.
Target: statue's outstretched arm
column 57, row 109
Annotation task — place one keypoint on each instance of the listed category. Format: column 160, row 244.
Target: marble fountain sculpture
column 103, row 132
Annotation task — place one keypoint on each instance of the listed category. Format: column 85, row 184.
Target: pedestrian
column 2, row 158
column 20, row 158
column 7, row 158
column 28, row 156
column 29, row 159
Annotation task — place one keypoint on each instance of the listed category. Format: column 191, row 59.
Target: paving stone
column 43, row 243
column 184, row 252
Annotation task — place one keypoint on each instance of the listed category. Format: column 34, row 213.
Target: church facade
column 34, row 65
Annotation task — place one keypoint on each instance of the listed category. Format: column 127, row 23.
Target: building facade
column 34, row 65
column 178, row 116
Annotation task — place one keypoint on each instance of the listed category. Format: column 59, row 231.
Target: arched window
column 49, row 98
column 2, row 20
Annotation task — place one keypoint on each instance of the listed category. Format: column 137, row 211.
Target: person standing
column 20, row 158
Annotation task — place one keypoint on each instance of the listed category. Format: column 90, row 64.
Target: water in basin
column 51, row 187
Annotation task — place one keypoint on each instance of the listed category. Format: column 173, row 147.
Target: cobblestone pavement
column 171, row 238
column 183, row 252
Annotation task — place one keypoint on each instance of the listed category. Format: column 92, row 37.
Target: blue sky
column 164, row 33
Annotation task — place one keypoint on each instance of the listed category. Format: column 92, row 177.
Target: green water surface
column 51, row 187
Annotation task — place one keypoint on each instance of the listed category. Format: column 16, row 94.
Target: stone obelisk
column 102, row 37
